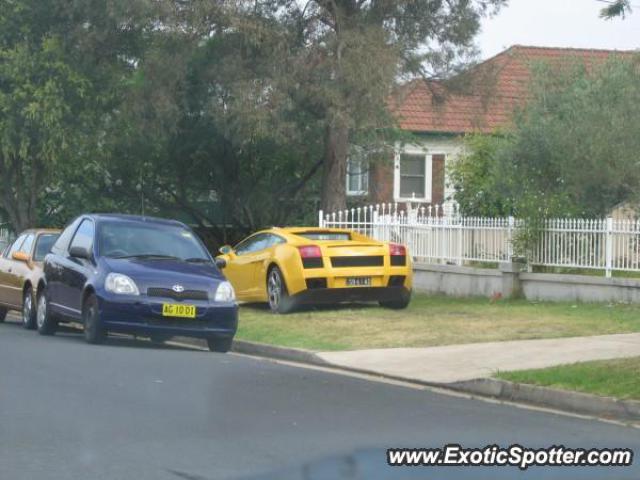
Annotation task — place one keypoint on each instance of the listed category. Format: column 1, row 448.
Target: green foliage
column 474, row 177
column 616, row 8
column 220, row 114
column 572, row 150
column 341, row 60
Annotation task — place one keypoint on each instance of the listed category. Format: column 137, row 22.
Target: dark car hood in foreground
column 159, row 272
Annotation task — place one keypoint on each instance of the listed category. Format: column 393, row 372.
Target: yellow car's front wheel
column 279, row 299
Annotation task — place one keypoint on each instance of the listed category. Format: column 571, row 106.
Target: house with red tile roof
column 481, row 100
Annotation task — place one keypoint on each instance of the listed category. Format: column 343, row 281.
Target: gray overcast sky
column 558, row 23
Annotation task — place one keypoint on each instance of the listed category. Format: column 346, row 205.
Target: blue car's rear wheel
column 45, row 322
column 94, row 331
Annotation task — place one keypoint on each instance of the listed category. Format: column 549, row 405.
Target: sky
column 558, row 23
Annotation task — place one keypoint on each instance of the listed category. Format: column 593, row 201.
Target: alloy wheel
column 42, row 311
column 27, row 309
column 275, row 289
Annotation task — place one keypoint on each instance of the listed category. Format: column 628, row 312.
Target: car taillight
column 398, row 255
column 396, row 250
column 310, row 251
column 311, row 256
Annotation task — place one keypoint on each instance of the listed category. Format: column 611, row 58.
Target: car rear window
column 45, row 242
column 336, row 236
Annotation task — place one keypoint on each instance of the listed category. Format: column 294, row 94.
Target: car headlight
column 224, row 293
column 120, row 284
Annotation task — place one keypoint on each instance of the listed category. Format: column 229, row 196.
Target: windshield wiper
column 148, row 256
column 198, row 260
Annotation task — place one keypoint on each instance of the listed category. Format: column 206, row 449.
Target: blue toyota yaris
column 141, row 275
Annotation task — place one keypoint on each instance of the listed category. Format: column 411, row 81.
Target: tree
column 346, row 55
column 59, row 64
column 474, row 176
column 202, row 136
column 616, row 8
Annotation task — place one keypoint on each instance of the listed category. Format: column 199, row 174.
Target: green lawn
column 433, row 320
column 610, row 378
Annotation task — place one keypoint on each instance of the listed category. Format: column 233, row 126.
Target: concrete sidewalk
column 457, row 363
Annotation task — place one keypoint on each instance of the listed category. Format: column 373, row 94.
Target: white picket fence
column 437, row 235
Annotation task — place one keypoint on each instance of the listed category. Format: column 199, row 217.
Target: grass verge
column 610, row 378
column 431, row 321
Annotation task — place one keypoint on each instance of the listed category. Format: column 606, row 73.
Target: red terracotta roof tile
column 488, row 93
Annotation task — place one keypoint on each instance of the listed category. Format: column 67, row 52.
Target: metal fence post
column 321, row 219
column 512, row 222
column 460, row 243
column 609, row 247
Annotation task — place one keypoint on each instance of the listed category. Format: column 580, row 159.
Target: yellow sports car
column 287, row 267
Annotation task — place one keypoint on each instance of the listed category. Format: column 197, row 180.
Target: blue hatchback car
column 140, row 275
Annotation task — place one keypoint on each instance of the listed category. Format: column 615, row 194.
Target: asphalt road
column 130, row 410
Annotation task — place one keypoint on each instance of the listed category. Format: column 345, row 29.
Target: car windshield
column 45, row 242
column 131, row 240
column 340, row 236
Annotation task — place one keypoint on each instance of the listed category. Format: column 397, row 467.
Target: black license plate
column 358, row 281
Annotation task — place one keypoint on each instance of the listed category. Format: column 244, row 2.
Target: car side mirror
column 220, row 263
column 80, row 252
column 226, row 250
column 20, row 257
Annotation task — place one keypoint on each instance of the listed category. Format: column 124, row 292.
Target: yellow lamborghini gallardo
column 287, row 267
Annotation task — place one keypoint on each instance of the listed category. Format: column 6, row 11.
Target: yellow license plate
column 177, row 310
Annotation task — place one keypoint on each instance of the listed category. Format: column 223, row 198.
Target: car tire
column 277, row 294
column 397, row 304
column 220, row 344
column 3, row 314
column 29, row 312
column 94, row 331
column 45, row 322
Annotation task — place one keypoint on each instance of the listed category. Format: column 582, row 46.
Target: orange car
column 20, row 271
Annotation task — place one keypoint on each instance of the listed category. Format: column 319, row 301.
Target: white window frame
column 428, row 174
column 361, row 192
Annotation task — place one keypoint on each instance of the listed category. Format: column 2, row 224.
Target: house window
column 357, row 177
column 413, row 177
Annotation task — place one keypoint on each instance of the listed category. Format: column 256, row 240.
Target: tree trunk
column 336, row 149
column 19, row 195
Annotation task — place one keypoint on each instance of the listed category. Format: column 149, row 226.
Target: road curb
column 278, row 353
column 574, row 402
column 568, row 401
column 265, row 350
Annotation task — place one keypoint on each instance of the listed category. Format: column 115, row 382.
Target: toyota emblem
column 178, row 288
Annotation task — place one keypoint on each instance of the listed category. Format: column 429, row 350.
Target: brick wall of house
column 437, row 186
column 381, row 183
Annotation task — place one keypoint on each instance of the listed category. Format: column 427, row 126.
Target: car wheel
column 45, row 322
column 28, row 310
column 3, row 314
column 279, row 299
column 94, row 331
column 220, row 344
column 398, row 304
